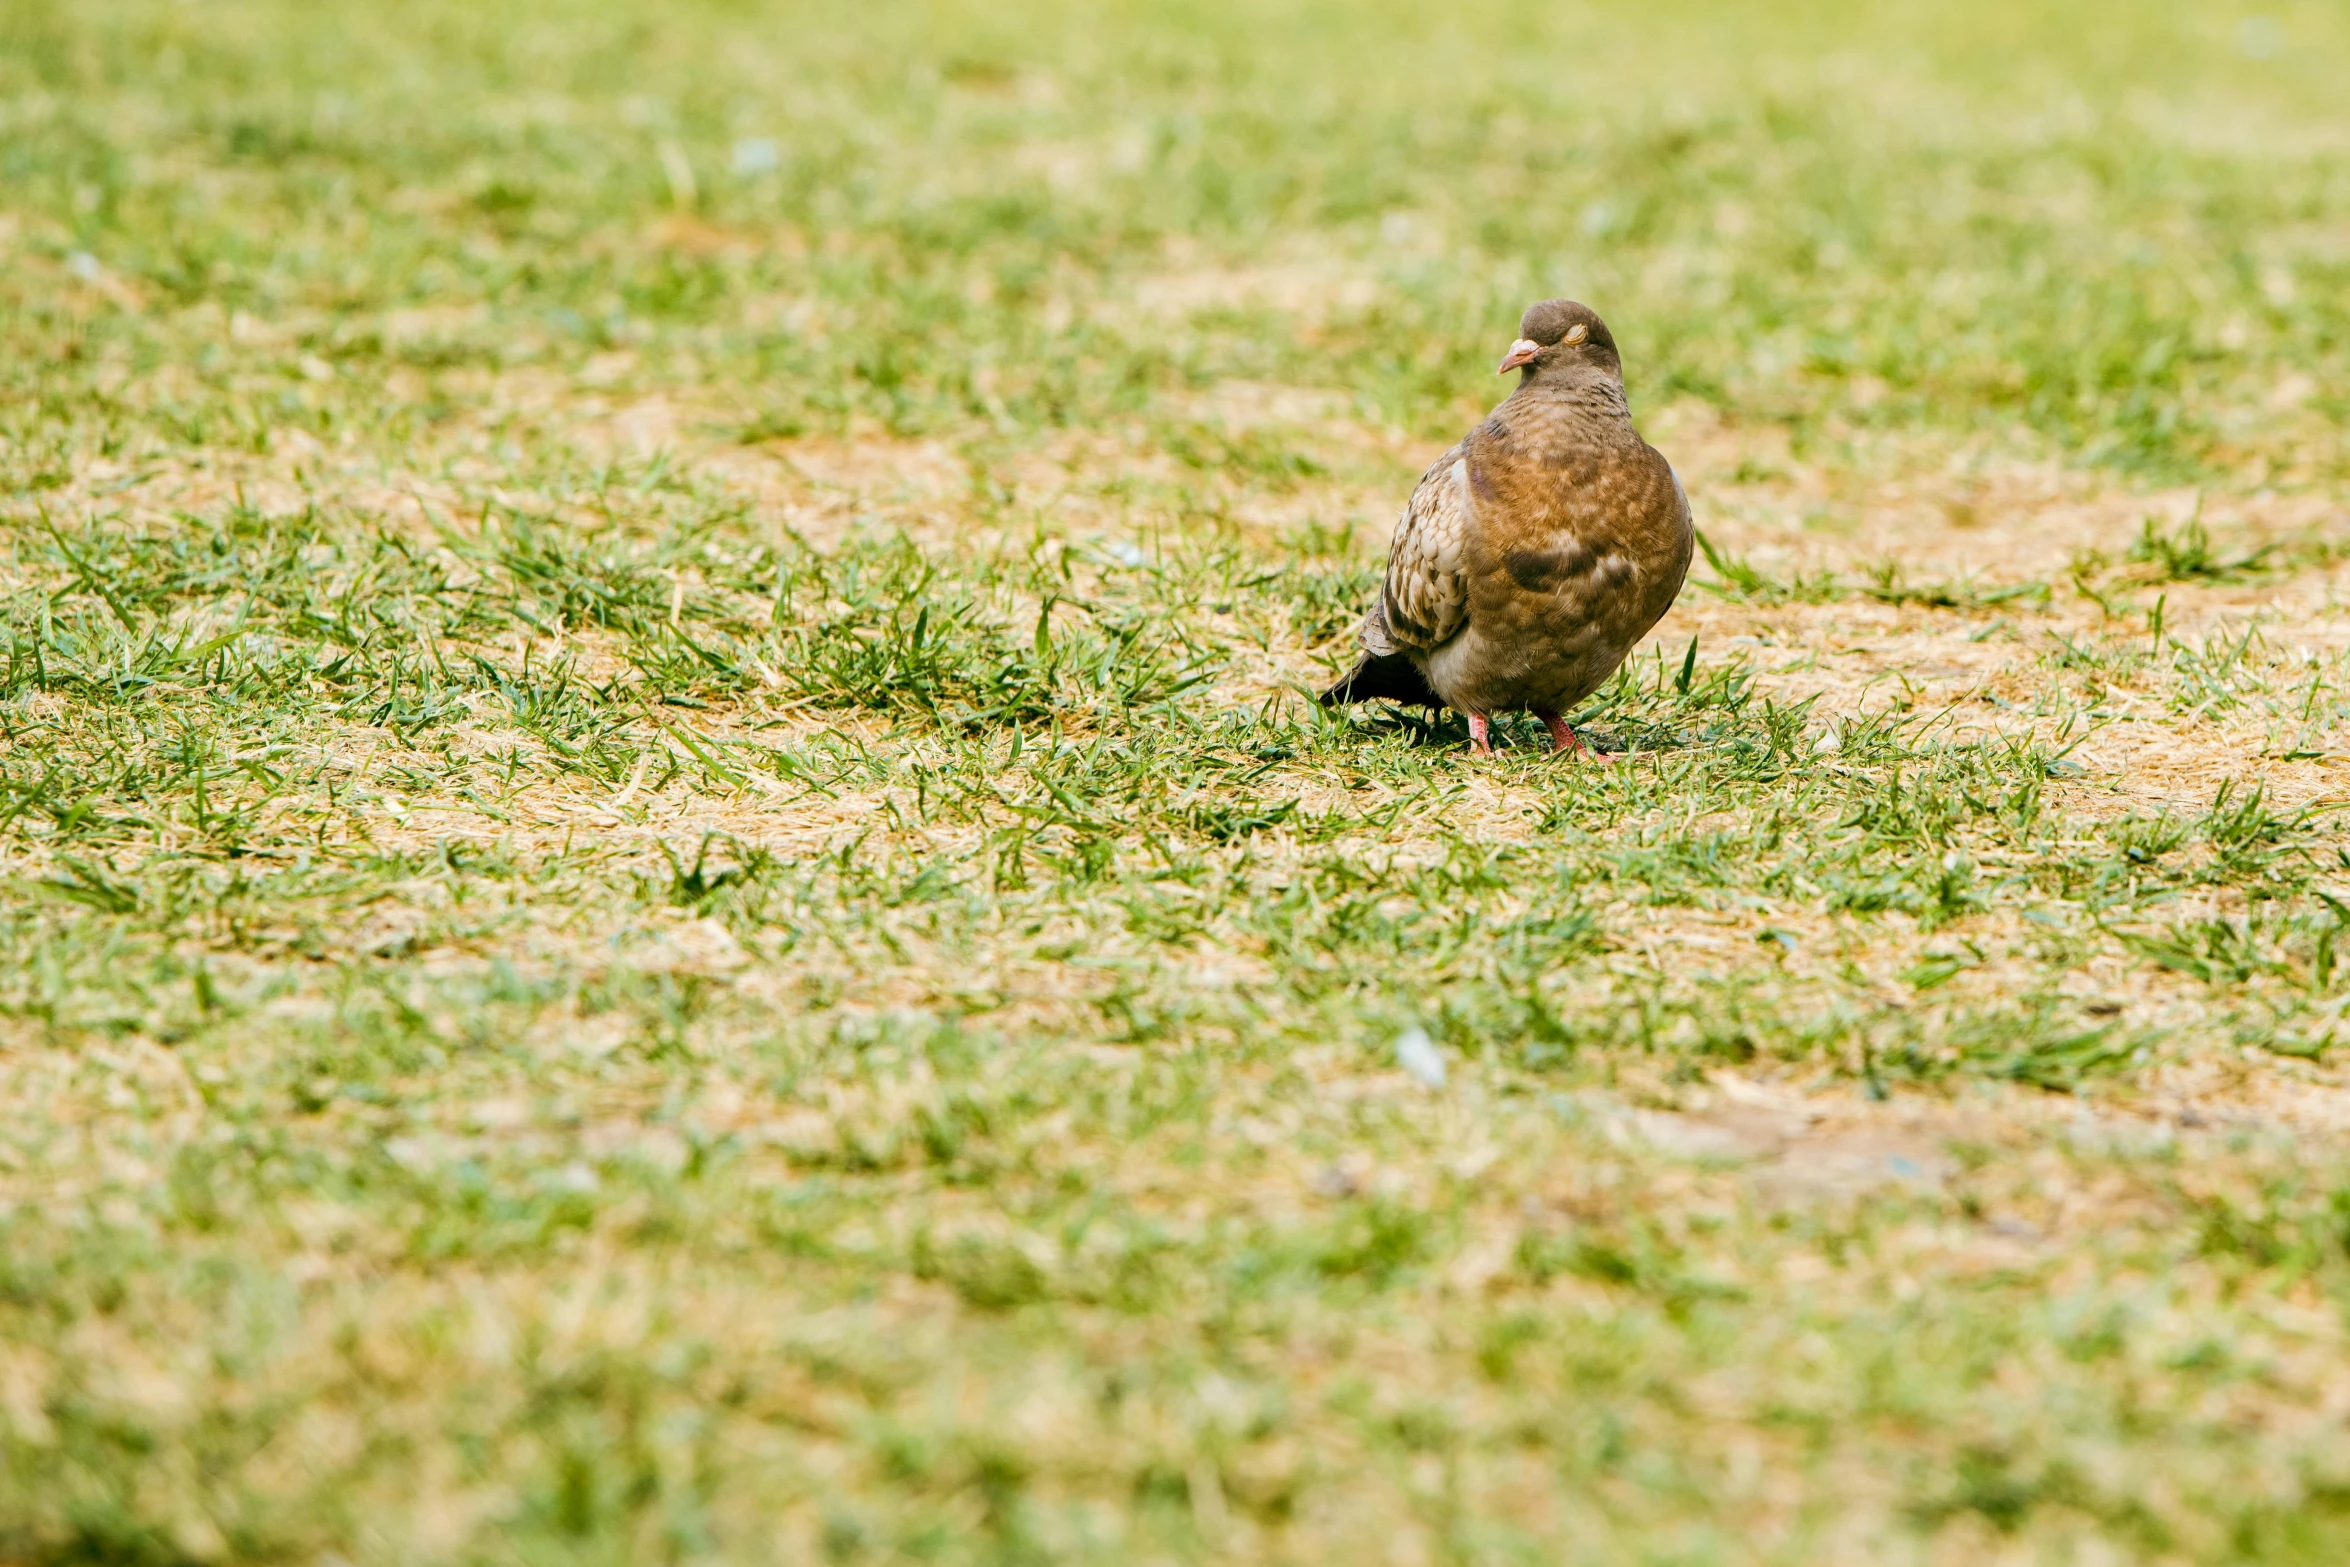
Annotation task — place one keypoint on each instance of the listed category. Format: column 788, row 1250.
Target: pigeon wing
column 1424, row 602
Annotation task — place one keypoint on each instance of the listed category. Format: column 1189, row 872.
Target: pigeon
column 1536, row 553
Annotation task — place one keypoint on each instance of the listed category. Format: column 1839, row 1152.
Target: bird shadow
column 1450, row 731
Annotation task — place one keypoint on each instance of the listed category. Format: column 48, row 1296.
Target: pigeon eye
column 1576, row 333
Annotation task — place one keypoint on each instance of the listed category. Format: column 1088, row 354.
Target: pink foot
column 1480, row 734
column 1565, row 742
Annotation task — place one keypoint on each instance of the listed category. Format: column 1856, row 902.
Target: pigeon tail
column 1390, row 675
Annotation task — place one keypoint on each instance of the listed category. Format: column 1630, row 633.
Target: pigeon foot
column 1565, row 742
column 1480, row 734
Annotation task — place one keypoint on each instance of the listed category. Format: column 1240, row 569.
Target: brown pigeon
column 1534, row 554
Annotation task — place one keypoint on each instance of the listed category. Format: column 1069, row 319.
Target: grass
column 671, row 891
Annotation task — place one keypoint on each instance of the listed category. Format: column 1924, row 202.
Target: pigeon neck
column 1585, row 390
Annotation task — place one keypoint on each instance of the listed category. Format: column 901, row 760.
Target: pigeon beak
column 1521, row 352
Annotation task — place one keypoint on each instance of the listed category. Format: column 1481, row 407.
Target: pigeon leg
column 1480, row 734
column 1564, row 741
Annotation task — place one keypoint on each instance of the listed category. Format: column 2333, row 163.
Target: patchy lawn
column 671, row 891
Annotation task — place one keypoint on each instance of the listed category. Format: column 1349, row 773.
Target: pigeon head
column 1559, row 334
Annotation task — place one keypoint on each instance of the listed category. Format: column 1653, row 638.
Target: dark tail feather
column 1389, row 675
